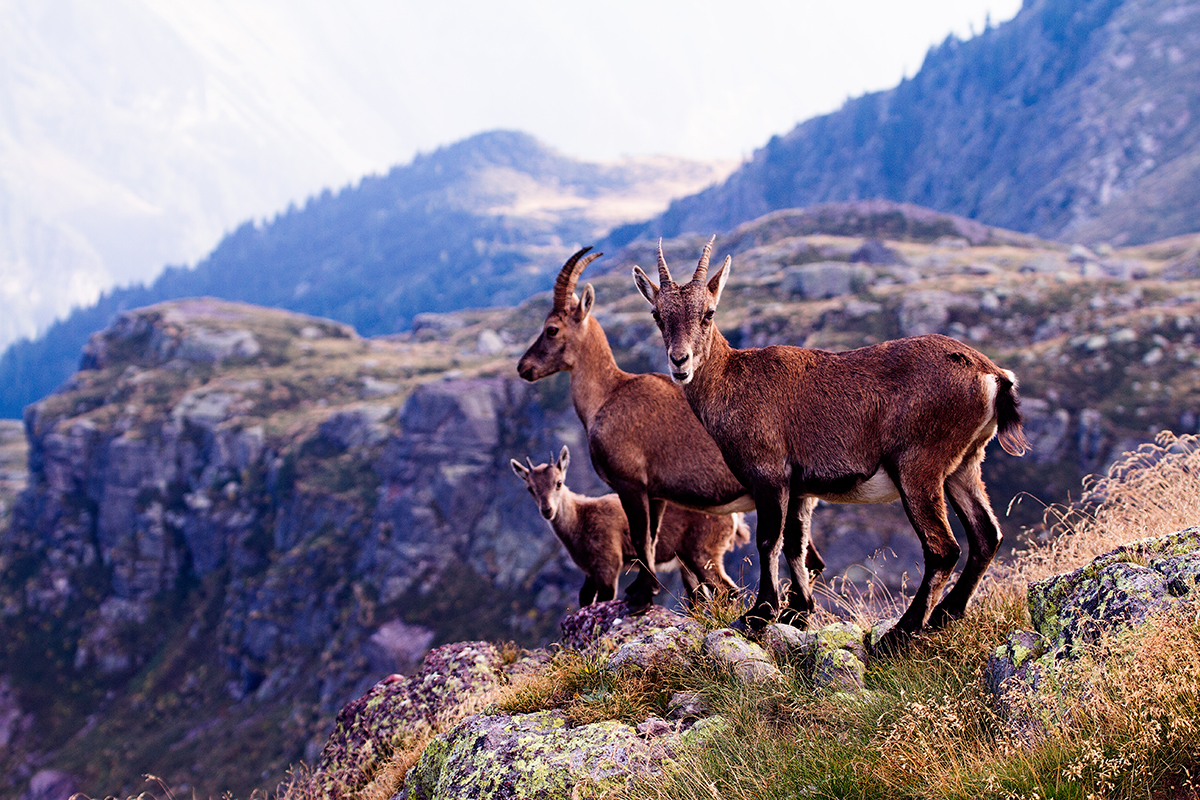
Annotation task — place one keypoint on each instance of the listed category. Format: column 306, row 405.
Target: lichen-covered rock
column 1182, row 573
column 686, row 706
column 748, row 661
column 451, row 681
column 833, row 657
column 839, row 670
column 787, row 643
column 1117, row 590
column 538, row 755
column 1157, row 569
column 878, row 631
column 658, row 648
column 584, row 629
column 1113, row 590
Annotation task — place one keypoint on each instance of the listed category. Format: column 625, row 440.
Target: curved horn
column 529, row 461
column 664, row 275
column 564, row 284
column 702, row 268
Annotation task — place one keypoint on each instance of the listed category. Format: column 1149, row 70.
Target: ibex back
column 908, row 418
column 643, row 439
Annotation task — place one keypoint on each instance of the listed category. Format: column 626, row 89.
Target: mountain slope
column 1073, row 121
column 477, row 223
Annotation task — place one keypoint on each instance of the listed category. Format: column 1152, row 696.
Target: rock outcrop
column 1115, row 592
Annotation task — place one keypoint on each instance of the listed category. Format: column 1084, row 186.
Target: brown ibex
column 643, row 439
column 595, row 532
column 907, row 418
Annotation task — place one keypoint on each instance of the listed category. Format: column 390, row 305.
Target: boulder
column 833, row 657
column 540, row 755
column 1116, row 591
column 747, row 661
column 452, row 678
column 590, row 627
column 1121, row 587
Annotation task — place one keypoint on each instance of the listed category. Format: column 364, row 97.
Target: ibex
column 907, row 418
column 595, row 532
column 643, row 439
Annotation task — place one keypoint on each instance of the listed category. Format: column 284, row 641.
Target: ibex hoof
column 639, row 602
column 752, row 621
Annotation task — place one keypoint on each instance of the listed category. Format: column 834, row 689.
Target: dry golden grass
column 1152, row 491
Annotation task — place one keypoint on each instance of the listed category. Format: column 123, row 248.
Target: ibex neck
column 566, row 520
column 712, row 369
column 595, row 373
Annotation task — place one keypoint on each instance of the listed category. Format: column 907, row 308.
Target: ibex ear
column 716, row 284
column 645, row 286
column 519, row 469
column 585, row 303
column 564, row 458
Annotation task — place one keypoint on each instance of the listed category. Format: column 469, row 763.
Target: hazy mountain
column 182, row 140
column 1075, row 120
column 483, row 222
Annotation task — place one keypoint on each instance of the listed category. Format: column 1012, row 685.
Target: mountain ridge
column 1070, row 121
column 494, row 209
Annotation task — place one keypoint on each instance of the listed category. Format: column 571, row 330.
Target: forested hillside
column 1075, row 121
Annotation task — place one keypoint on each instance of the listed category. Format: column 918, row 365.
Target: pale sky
column 703, row 78
column 135, row 133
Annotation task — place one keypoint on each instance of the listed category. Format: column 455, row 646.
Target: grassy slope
column 925, row 728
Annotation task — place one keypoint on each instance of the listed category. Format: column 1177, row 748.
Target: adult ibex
column 643, row 439
column 595, row 532
column 907, row 418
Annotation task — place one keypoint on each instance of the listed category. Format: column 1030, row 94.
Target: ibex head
column 554, row 349
column 685, row 313
column 545, row 481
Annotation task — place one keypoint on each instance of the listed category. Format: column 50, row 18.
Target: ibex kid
column 595, row 532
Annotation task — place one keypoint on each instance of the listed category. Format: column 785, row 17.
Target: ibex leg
column 798, row 550
column 771, row 505
column 642, row 529
column 691, row 583
column 969, row 499
column 587, row 593
column 925, row 503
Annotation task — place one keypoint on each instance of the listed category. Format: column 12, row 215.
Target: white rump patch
column 991, row 387
column 876, row 489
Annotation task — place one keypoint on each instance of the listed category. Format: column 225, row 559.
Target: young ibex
column 907, row 418
column 595, row 532
column 644, row 440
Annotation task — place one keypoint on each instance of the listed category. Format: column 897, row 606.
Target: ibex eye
column 708, row 315
column 559, row 486
column 552, row 332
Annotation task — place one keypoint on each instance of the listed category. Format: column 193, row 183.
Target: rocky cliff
column 238, row 519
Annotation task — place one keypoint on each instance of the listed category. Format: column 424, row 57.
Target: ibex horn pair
column 701, row 275
column 564, row 284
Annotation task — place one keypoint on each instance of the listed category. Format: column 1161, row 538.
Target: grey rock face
column 1112, row 593
column 396, row 709
column 539, row 755
column 166, row 465
column 730, row 651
